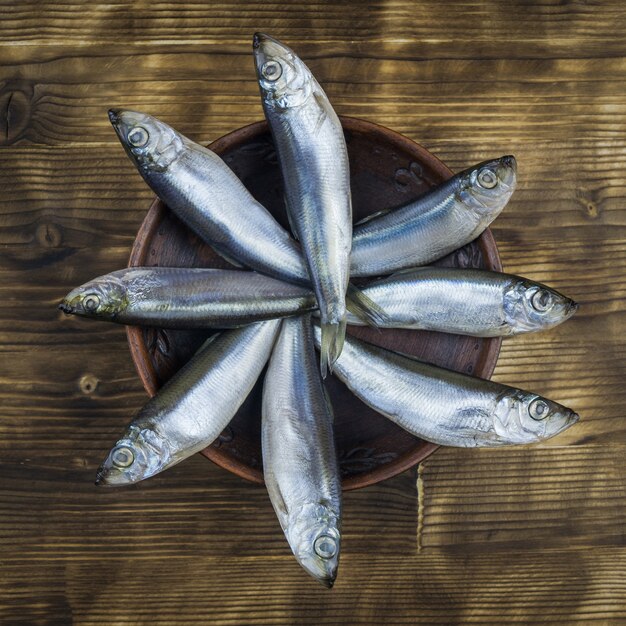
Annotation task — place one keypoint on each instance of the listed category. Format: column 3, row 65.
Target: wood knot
column 88, row 384
column 15, row 110
column 589, row 203
column 48, row 235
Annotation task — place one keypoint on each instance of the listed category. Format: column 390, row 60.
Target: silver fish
column 444, row 219
column 314, row 161
column 467, row 302
column 299, row 457
column 205, row 194
column 187, row 298
column 193, row 407
column 446, row 407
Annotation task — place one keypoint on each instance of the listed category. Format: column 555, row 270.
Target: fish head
column 314, row 536
column 285, row 81
column 531, row 306
column 151, row 144
column 487, row 187
column 103, row 298
column 524, row 417
column 141, row 453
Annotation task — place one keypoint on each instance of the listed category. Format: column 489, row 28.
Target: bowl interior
column 387, row 170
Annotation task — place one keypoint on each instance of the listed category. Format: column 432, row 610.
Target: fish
column 169, row 297
column 445, row 218
column 193, row 408
column 209, row 198
column 445, row 407
column 313, row 157
column 299, row 456
column 471, row 302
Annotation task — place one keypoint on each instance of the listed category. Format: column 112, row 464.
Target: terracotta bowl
column 387, row 170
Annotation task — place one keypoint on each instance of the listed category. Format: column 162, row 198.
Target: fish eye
column 122, row 457
column 487, row 178
column 538, row 409
column 138, row 136
column 541, row 300
column 325, row 546
column 271, row 70
column 91, row 302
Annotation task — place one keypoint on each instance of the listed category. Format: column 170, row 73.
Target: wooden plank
column 526, row 587
column 63, row 98
column 523, row 498
column 470, row 28
column 54, row 512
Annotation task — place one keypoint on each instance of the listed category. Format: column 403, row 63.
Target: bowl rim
column 157, row 211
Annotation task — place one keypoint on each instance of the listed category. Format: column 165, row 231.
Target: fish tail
column 365, row 308
column 331, row 345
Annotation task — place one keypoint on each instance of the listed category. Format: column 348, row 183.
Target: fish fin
column 369, row 218
column 226, row 256
column 365, row 308
column 324, row 110
column 292, row 224
column 329, row 404
column 331, row 345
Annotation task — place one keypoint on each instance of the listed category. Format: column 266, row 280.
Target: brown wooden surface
column 526, row 536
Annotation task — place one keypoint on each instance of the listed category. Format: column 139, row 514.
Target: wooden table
column 526, row 536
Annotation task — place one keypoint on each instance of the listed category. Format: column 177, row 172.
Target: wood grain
column 527, row 536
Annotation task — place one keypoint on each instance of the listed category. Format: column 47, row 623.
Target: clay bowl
column 387, row 170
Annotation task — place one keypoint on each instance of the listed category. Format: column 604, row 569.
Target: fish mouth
column 114, row 116
column 327, row 582
column 573, row 307
column 65, row 307
column 509, row 161
column 101, row 475
column 258, row 39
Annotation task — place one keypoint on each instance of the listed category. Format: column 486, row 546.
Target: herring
column 442, row 220
column 206, row 194
column 193, row 407
column 299, row 457
column 313, row 158
column 471, row 302
column 446, row 407
column 169, row 297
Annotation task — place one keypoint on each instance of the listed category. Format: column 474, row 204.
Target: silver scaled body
column 471, row 302
column 446, row 407
column 299, row 457
column 194, row 406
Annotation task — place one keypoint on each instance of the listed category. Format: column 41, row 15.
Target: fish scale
column 299, row 456
column 312, row 152
column 435, row 224
column 446, row 407
column 189, row 297
column 195, row 405
column 471, row 302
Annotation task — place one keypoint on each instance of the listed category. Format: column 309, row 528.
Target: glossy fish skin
column 193, row 407
column 442, row 220
column 205, row 194
column 445, row 407
column 299, row 457
column 187, row 298
column 313, row 157
column 471, row 302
